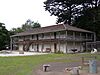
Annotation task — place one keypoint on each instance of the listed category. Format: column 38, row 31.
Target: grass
column 25, row 65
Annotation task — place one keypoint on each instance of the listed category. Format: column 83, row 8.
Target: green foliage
column 30, row 24
column 80, row 13
column 27, row 26
column 67, row 10
column 90, row 20
column 15, row 30
column 4, row 37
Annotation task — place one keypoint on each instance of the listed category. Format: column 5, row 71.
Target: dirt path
column 58, row 68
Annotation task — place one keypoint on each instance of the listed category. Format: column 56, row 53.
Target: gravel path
column 58, row 68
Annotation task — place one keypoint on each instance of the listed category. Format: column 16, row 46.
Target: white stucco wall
column 52, row 47
column 20, row 47
column 63, row 47
column 76, row 45
column 52, row 35
column 46, row 46
column 33, row 47
column 69, row 47
column 40, row 47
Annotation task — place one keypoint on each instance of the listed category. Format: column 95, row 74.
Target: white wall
column 20, row 47
column 76, row 45
column 46, row 46
column 63, row 47
column 33, row 47
column 52, row 35
column 40, row 47
column 69, row 47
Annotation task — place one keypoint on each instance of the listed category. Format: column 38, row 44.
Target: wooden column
column 73, row 39
column 95, row 40
column 59, row 41
column 80, row 41
column 41, row 47
column 50, row 42
column 42, row 42
column 86, row 40
column 11, row 44
column 66, row 41
column 86, row 37
column 94, row 37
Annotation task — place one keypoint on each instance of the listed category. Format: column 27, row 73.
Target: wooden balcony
column 51, row 40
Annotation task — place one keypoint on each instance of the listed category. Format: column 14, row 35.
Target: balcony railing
column 69, row 38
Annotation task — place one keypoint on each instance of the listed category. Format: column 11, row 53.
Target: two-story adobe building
column 61, row 37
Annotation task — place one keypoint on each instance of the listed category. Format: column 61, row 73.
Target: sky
column 14, row 13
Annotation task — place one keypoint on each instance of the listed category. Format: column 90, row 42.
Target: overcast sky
column 14, row 13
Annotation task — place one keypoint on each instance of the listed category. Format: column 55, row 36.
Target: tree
column 15, row 30
column 27, row 26
column 4, row 36
column 90, row 20
column 30, row 25
column 81, row 13
column 67, row 10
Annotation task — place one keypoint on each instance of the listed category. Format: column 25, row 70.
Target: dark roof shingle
column 53, row 28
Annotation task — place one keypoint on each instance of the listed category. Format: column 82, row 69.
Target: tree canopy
column 27, row 26
column 81, row 13
column 4, row 36
column 90, row 21
column 68, row 10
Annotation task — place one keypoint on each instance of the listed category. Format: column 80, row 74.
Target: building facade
column 61, row 37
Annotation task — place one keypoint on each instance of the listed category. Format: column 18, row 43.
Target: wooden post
column 66, row 41
column 80, row 42
column 74, row 39
column 50, row 42
column 94, row 37
column 59, row 40
column 11, row 44
column 95, row 40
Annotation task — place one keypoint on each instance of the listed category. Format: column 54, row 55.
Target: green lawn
column 24, row 65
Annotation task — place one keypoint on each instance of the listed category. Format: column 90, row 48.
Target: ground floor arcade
column 65, row 47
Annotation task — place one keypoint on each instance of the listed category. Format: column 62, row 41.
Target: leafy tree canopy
column 90, row 21
column 68, row 10
column 27, row 26
column 4, row 36
column 80, row 13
